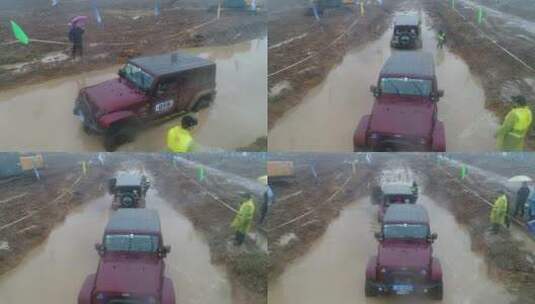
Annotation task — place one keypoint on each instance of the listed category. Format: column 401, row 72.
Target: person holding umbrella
column 76, row 33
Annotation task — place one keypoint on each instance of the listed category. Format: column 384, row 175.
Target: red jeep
column 404, row 263
column 395, row 193
column 131, row 268
column 148, row 89
column 404, row 115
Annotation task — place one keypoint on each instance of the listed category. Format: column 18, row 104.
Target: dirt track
column 500, row 267
column 294, row 35
column 122, row 34
column 200, row 236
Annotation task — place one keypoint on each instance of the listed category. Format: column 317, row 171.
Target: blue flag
column 157, row 8
column 96, row 12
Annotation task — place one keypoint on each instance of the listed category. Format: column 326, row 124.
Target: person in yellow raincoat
column 179, row 139
column 243, row 220
column 512, row 133
column 499, row 212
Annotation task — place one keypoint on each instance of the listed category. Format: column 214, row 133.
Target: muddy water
column 39, row 117
column 326, row 118
column 55, row 271
column 333, row 269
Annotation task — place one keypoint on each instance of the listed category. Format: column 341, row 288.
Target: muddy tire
column 117, row 135
column 128, row 201
column 369, row 291
column 203, row 103
column 437, row 293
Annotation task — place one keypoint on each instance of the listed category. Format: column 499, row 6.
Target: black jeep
column 407, row 32
column 128, row 190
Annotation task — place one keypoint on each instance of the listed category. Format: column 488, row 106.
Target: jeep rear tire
column 128, row 200
column 437, row 292
column 369, row 290
column 203, row 103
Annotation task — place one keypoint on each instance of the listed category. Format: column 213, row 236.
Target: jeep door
column 166, row 99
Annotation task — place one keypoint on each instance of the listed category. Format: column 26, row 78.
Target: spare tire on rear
column 128, row 200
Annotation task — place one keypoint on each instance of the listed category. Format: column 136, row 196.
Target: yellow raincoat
column 498, row 214
column 179, row 140
column 512, row 133
column 243, row 220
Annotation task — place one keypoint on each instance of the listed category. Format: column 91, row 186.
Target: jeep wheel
column 117, row 135
column 203, row 103
column 437, row 293
column 369, row 291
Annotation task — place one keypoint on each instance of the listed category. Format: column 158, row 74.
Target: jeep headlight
column 151, row 300
column 422, row 141
column 383, row 270
column 99, row 298
column 423, row 272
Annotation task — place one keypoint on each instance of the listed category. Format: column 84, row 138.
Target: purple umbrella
column 78, row 21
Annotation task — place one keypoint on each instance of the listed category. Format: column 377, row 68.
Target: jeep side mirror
column 433, row 236
column 121, row 72
column 164, row 251
column 440, row 93
column 100, row 248
column 375, row 90
column 378, row 236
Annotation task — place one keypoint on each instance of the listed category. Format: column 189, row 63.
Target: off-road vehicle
column 404, row 263
column 393, row 193
column 404, row 116
column 131, row 268
column 148, row 90
column 128, row 190
column 407, row 32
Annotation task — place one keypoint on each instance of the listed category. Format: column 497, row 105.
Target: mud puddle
column 341, row 255
column 39, row 117
column 327, row 117
column 55, row 271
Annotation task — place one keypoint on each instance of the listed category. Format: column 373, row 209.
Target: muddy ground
column 507, row 259
column 204, row 202
column 29, row 208
column 306, row 205
column 500, row 74
column 123, row 33
column 289, row 20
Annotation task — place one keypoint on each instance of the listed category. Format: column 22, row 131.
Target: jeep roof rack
column 410, row 64
column 127, row 180
column 406, row 213
column 134, row 221
column 169, row 64
column 407, row 19
column 396, row 188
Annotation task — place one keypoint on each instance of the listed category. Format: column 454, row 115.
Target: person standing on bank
column 244, row 218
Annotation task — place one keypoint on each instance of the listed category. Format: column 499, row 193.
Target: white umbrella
column 520, row 179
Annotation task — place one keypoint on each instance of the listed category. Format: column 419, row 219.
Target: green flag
column 19, row 33
column 464, row 172
column 200, row 173
column 480, row 15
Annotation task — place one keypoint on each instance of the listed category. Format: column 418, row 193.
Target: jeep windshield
column 403, row 29
column 131, row 243
column 405, row 231
column 406, row 86
column 137, row 76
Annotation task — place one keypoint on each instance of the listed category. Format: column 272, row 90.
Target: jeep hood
column 409, row 116
column 114, row 95
column 137, row 275
column 410, row 254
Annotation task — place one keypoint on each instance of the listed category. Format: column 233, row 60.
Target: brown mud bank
column 294, row 36
column 508, row 259
column 210, row 204
column 123, row 33
column 501, row 76
column 30, row 208
column 306, row 206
